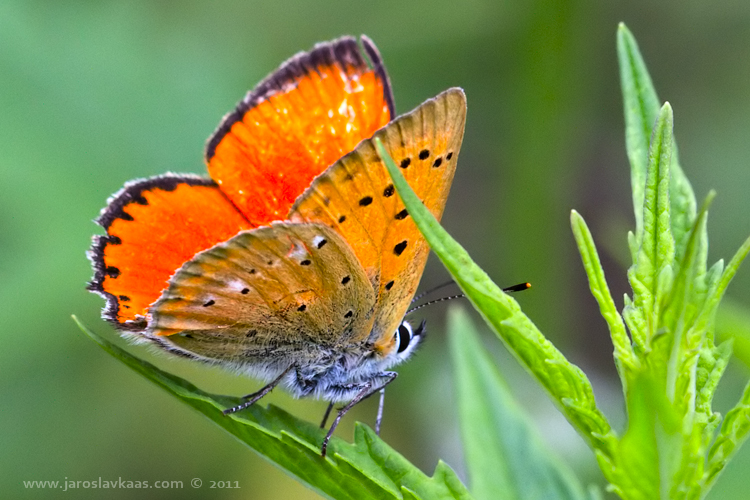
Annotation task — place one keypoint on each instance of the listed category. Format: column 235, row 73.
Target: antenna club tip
column 517, row 288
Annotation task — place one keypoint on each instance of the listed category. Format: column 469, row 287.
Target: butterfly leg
column 252, row 398
column 326, row 415
column 365, row 392
column 379, row 416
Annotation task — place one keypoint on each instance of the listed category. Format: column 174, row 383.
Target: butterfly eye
column 403, row 336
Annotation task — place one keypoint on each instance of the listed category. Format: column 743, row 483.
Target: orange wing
column 357, row 198
column 297, row 122
column 153, row 227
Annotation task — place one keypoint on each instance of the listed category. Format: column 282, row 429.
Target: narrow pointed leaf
column 505, row 457
column 713, row 362
column 690, row 286
column 650, row 276
column 368, row 469
column 734, row 431
column 680, row 311
column 562, row 380
column 600, row 290
column 716, row 293
column 641, row 106
column 657, row 246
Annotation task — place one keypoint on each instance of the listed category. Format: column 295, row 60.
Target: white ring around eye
column 403, row 338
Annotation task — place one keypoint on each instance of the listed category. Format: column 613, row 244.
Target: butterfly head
column 403, row 343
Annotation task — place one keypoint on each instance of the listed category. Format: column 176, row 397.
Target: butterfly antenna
column 441, row 299
column 515, row 288
column 434, row 289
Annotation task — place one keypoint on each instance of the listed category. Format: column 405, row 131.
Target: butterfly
column 295, row 261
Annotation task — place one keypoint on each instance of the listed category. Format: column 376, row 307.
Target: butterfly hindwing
column 265, row 292
column 153, row 226
column 302, row 118
column 356, row 197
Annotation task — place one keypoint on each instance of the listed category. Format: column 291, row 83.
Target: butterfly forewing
column 272, row 289
column 356, row 197
column 307, row 114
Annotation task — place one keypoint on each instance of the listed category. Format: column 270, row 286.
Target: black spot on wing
column 131, row 192
column 399, row 248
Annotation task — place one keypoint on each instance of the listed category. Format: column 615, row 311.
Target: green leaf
column 734, row 431
column 656, row 208
column 680, row 310
column 712, row 363
column 640, row 103
column 369, row 468
column 600, row 290
column 649, row 275
column 649, row 452
column 566, row 384
column 716, row 293
column 641, row 106
column 691, row 283
column 700, row 421
column 505, row 457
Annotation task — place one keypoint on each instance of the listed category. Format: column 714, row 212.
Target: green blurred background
column 94, row 93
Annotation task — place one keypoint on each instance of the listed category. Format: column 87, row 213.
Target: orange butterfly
column 296, row 261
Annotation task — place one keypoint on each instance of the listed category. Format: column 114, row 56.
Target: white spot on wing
column 237, row 285
column 298, row 252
